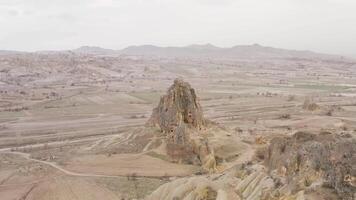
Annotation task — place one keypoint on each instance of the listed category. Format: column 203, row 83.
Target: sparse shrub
column 133, row 177
column 137, row 116
column 239, row 130
column 206, row 193
column 285, row 116
column 344, row 127
column 15, row 109
column 291, row 98
column 133, row 117
column 329, row 112
column 307, row 181
column 260, row 153
column 310, row 105
column 260, row 140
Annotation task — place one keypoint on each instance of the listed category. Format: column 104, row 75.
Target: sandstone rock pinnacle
column 178, row 108
column 178, row 115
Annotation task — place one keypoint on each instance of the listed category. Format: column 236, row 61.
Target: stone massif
column 315, row 159
column 180, row 117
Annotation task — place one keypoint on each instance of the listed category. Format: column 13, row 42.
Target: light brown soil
column 128, row 164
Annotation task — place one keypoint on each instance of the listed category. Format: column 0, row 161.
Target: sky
column 326, row 26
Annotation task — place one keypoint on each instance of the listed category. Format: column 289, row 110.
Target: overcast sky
column 327, row 26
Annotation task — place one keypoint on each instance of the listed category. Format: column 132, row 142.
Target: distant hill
column 188, row 51
column 254, row 51
column 93, row 50
column 208, row 50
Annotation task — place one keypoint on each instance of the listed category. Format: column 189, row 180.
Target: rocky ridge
column 307, row 161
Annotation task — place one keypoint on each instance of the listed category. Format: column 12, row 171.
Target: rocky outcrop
column 177, row 109
column 240, row 183
column 308, row 160
column 194, row 188
column 180, row 117
column 297, row 167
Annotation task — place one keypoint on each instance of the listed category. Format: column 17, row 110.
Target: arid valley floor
column 73, row 124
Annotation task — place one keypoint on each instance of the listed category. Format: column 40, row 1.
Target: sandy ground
column 127, row 164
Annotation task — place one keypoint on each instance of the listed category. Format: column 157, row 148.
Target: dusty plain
column 72, row 124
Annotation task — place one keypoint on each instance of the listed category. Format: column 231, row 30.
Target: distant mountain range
column 206, row 50
column 240, row 51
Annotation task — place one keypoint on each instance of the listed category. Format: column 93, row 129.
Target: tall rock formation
column 180, row 117
column 178, row 107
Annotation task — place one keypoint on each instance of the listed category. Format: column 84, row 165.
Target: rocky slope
column 308, row 161
column 297, row 167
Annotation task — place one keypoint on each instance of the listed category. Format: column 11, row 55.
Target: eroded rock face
column 240, row 183
column 177, row 109
column 321, row 159
column 179, row 115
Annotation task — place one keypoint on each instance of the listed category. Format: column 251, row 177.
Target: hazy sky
column 320, row 25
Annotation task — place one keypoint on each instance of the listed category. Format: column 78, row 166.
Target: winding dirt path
column 54, row 165
column 71, row 173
